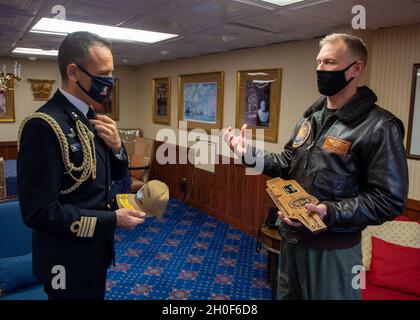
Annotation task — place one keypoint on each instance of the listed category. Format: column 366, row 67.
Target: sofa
column 16, row 279
column 391, row 258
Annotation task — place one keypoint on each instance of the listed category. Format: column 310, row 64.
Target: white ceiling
column 201, row 24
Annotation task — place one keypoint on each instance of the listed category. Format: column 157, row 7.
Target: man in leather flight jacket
column 349, row 153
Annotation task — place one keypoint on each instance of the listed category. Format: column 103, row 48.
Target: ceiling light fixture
column 229, row 37
column 269, row 4
column 35, row 51
column 256, row 4
column 281, row 3
column 64, row 27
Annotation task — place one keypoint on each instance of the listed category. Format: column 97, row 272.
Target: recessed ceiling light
column 229, row 37
column 35, row 51
column 164, row 52
column 64, row 27
column 281, row 3
column 268, row 4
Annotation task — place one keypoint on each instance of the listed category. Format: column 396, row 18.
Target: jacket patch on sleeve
column 85, row 228
column 303, row 134
column 337, row 146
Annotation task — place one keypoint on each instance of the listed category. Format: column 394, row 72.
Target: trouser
column 317, row 274
column 94, row 289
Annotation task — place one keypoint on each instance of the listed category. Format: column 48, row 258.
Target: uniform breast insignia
column 337, row 146
column 291, row 198
column 302, row 135
column 75, row 147
column 72, row 134
column 85, row 228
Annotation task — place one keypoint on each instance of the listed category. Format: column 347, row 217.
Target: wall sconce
column 7, row 80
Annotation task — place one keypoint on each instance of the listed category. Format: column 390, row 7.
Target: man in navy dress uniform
column 68, row 157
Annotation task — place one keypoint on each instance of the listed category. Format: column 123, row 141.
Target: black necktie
column 91, row 113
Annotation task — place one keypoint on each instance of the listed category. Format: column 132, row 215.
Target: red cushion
column 373, row 292
column 404, row 218
column 395, row 267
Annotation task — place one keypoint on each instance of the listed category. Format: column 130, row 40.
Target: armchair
column 16, row 279
column 140, row 162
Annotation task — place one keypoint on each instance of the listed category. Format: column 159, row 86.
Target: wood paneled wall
column 412, row 209
column 8, row 150
column 228, row 194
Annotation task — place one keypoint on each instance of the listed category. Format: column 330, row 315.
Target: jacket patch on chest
column 72, row 134
column 337, row 146
column 75, row 147
column 303, row 134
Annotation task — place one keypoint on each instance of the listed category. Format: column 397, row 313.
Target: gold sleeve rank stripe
column 85, row 228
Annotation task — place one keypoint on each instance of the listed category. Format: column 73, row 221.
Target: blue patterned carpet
column 186, row 255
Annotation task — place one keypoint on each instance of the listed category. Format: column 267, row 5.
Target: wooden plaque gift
column 290, row 198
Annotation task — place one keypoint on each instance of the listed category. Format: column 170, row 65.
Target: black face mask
column 332, row 82
column 100, row 87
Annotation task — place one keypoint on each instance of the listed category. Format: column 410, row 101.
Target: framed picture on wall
column 258, row 101
column 161, row 97
column 413, row 141
column 111, row 107
column 7, row 103
column 201, row 100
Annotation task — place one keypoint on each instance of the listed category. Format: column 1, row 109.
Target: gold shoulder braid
column 87, row 143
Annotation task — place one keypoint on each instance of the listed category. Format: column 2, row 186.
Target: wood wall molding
column 412, row 209
column 8, row 150
column 239, row 200
column 234, row 198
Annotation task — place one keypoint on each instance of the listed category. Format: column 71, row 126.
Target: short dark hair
column 75, row 49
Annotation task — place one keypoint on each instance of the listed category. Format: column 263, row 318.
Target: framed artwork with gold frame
column 161, row 97
column 7, row 102
column 413, row 139
column 200, row 100
column 111, row 108
column 258, row 101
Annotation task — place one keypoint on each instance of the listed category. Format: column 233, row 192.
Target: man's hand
column 107, row 130
column 236, row 144
column 288, row 221
column 320, row 209
column 129, row 219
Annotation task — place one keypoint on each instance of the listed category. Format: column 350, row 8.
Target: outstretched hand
column 236, row 144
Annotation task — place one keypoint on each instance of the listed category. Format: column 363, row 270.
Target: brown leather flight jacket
column 355, row 162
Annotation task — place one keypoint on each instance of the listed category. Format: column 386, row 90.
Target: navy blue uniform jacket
column 41, row 177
